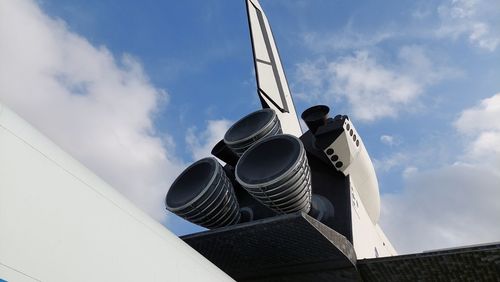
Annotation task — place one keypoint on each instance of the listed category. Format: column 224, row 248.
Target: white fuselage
column 368, row 239
column 273, row 89
column 60, row 222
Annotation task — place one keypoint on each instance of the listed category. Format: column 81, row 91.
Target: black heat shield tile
column 292, row 247
column 469, row 263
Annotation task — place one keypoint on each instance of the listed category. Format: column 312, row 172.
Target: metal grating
column 297, row 247
column 292, row 247
column 479, row 263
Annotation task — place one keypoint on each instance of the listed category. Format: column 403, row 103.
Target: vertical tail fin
column 272, row 85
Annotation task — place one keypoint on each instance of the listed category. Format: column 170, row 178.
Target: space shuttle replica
column 279, row 205
column 278, row 184
column 272, row 169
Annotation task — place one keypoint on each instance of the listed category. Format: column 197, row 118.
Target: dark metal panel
column 297, row 247
column 479, row 263
column 331, row 184
column 292, row 247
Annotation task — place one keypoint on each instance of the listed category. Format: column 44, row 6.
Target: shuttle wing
column 272, row 85
column 296, row 247
column 60, row 222
column 472, row 263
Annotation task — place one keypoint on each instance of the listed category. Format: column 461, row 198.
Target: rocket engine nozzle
column 204, row 195
column 276, row 173
column 315, row 117
column 252, row 128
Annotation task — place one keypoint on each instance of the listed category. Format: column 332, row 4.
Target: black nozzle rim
column 296, row 157
column 214, row 167
column 315, row 116
column 270, row 119
column 224, row 153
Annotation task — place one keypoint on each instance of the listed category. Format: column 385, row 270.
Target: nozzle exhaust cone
column 276, row 173
column 250, row 129
column 204, row 195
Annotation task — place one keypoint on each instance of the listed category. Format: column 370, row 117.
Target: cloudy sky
column 137, row 90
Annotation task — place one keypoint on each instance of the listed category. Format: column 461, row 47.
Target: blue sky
column 419, row 78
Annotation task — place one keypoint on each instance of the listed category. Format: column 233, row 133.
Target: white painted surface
column 358, row 165
column 264, row 70
column 60, row 222
column 9, row 275
column 368, row 239
column 363, row 176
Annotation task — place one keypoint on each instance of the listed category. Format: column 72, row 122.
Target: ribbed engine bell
column 204, row 195
column 250, row 129
column 276, row 173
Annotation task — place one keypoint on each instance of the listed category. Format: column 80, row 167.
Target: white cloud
column 482, row 125
column 347, row 38
column 97, row 107
column 483, row 117
column 201, row 143
column 409, row 171
column 387, row 140
column 387, row 163
column 454, row 204
column 422, row 11
column 478, row 20
column 475, row 20
column 448, row 207
column 372, row 90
